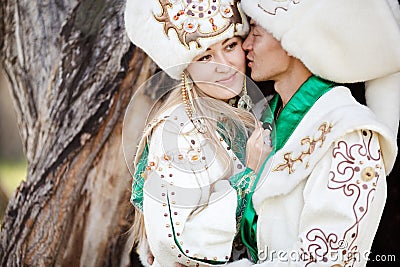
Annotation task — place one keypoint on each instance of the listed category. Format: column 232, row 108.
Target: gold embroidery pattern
column 289, row 161
column 245, row 184
column 272, row 7
column 193, row 21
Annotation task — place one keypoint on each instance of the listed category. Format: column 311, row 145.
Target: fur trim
column 161, row 28
column 342, row 41
column 240, row 263
column 383, row 97
column 143, row 251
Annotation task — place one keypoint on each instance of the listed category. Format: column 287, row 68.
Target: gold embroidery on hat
column 189, row 30
column 277, row 4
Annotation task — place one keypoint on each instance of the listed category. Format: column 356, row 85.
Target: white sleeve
column 343, row 202
column 186, row 219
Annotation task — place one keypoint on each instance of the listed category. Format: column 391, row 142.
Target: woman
column 192, row 150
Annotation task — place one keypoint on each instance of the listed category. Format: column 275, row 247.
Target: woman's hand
column 150, row 257
column 258, row 147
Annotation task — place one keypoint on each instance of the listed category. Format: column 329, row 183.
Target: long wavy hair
column 237, row 123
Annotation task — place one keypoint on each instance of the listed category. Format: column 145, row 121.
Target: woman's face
column 219, row 71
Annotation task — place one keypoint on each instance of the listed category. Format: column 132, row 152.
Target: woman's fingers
column 267, row 137
column 257, row 135
column 150, row 257
column 258, row 147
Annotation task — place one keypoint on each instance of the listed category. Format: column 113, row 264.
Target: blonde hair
column 237, row 122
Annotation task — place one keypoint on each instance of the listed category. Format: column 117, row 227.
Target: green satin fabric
column 290, row 117
column 138, row 180
column 248, row 225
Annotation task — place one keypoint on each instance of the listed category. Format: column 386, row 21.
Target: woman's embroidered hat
column 344, row 41
column 173, row 32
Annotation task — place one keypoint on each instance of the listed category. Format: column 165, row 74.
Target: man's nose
column 247, row 44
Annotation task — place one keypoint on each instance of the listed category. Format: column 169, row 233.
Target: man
column 320, row 196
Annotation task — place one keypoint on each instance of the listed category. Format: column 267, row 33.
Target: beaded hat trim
column 192, row 20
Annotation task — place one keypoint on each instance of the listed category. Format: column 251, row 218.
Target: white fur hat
column 344, row 41
column 173, row 32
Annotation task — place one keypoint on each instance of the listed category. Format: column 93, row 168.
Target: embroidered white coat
column 323, row 193
column 182, row 165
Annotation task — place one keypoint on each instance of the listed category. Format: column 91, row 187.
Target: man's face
column 266, row 57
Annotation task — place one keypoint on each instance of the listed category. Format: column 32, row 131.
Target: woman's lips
column 228, row 79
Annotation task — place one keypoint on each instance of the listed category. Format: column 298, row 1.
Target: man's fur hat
column 345, row 41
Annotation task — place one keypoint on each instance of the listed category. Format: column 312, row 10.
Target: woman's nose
column 222, row 67
column 222, row 57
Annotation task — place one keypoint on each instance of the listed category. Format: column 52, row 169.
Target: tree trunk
column 72, row 71
column 3, row 202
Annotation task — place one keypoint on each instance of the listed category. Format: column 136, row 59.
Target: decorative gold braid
column 289, row 161
column 188, row 101
column 185, row 97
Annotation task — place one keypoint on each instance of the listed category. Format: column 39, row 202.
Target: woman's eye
column 204, row 58
column 231, row 46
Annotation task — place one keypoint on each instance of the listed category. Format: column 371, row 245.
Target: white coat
column 321, row 196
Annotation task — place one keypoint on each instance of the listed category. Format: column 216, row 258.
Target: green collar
column 294, row 111
column 290, row 117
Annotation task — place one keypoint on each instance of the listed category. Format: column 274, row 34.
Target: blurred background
column 12, row 159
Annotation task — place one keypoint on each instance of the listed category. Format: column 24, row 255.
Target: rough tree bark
column 73, row 72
